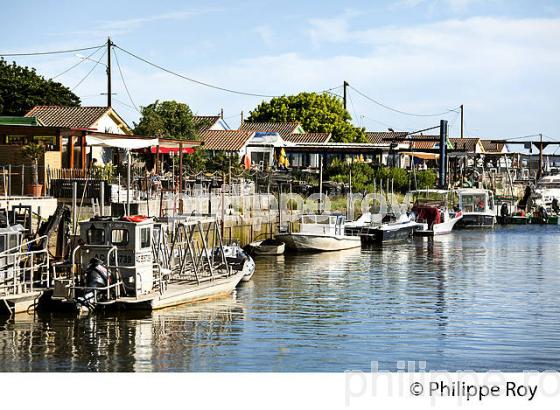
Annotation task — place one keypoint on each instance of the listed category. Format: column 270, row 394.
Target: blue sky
column 499, row 58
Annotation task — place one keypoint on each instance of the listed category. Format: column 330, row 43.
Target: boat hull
column 259, row 249
column 476, row 220
column 318, row 243
column 443, row 228
column 378, row 235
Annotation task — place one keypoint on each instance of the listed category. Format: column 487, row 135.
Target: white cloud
column 503, row 70
column 265, row 33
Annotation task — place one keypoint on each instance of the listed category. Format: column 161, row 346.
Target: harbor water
column 472, row 300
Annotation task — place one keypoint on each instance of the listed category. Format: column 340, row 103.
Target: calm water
column 471, row 300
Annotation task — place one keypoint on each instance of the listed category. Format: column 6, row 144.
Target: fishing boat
column 546, row 192
column 478, row 208
column 431, row 211
column 136, row 262
column 25, row 261
column 319, row 233
column 268, row 247
column 392, row 229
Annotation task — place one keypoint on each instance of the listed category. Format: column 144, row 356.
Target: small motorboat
column 270, row 247
column 392, row 229
column 239, row 261
column 431, row 208
column 320, row 233
column 477, row 206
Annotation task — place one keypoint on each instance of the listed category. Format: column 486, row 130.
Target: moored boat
column 142, row 263
column 319, row 233
column 392, row 229
column 269, row 247
column 431, row 210
column 478, row 208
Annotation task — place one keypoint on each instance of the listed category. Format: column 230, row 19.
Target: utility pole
column 109, row 45
column 344, row 86
column 462, row 123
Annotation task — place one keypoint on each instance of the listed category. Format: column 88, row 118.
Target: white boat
column 478, row 208
column 546, row 191
column 239, row 260
column 431, row 211
column 320, row 233
column 269, row 247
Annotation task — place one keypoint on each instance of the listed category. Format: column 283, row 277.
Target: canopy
column 422, row 155
column 126, row 143
column 167, row 150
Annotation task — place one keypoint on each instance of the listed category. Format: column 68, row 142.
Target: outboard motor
column 504, row 211
column 97, row 275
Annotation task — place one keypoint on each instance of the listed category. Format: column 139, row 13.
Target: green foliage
column 33, row 152
column 170, row 119
column 364, row 175
column 425, row 179
column 221, row 162
column 22, row 89
column 193, row 163
column 316, row 113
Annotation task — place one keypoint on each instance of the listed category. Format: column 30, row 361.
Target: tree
column 169, row 119
column 22, row 89
column 316, row 113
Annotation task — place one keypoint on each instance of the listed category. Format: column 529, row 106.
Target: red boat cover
column 134, row 218
column 430, row 214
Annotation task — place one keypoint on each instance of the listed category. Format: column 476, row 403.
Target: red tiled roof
column 225, row 140
column 309, row 137
column 204, row 122
column 72, row 117
column 282, row 128
column 492, row 147
column 378, row 137
column 465, row 144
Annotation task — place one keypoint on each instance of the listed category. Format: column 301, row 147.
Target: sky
column 499, row 58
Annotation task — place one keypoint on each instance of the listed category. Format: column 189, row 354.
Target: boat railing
column 24, row 270
column 110, row 268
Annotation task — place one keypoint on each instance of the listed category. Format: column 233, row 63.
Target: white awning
column 126, row 143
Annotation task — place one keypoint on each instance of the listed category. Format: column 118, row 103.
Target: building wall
column 105, row 124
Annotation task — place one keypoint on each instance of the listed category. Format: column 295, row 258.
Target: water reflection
column 469, row 300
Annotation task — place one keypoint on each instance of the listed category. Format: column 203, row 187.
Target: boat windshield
column 473, row 202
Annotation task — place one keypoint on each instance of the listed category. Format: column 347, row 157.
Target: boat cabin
column 11, row 238
column 123, row 244
column 476, row 200
column 322, row 224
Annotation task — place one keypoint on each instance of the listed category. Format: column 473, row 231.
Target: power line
column 399, row 111
column 193, row 80
column 124, row 83
column 77, row 64
column 90, row 71
column 40, row 53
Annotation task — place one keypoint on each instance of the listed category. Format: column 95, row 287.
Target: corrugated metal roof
column 225, row 140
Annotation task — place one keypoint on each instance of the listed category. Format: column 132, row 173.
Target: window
column 119, row 237
column 145, row 238
column 95, row 236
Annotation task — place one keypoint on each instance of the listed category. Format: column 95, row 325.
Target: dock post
column 102, row 198
column 74, row 207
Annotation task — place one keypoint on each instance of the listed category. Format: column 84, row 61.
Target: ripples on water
column 467, row 301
